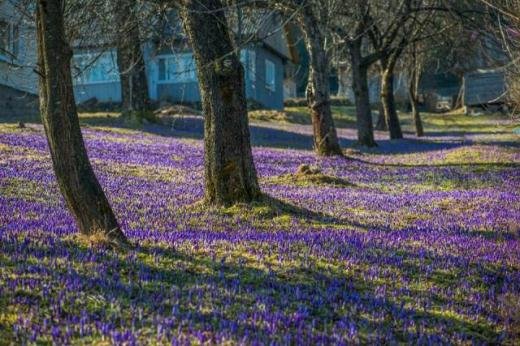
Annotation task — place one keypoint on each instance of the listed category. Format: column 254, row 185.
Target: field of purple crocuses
column 416, row 241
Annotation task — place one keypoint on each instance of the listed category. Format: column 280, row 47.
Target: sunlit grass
column 412, row 242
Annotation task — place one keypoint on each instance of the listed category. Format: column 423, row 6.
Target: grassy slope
column 253, row 271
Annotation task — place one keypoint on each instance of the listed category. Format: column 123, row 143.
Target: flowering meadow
column 416, row 241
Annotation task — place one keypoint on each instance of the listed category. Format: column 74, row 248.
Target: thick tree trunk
column 76, row 179
column 388, row 102
column 230, row 174
column 130, row 61
column 318, row 94
column 365, row 125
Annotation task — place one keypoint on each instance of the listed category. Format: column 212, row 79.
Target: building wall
column 258, row 90
column 19, row 72
column 256, row 86
column 178, row 92
column 483, row 87
column 17, row 103
column 103, row 92
column 96, row 75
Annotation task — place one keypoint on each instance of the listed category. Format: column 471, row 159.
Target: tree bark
column 381, row 121
column 344, row 83
column 414, row 74
column 365, row 125
column 130, row 61
column 230, row 174
column 413, row 96
column 76, row 179
column 318, row 94
column 388, row 102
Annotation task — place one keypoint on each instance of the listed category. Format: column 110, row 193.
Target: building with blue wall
column 172, row 76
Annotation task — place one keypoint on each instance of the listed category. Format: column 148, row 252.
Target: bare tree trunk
column 318, row 94
column 230, row 174
column 344, row 83
column 360, row 85
column 413, row 91
column 414, row 75
column 130, row 61
column 381, row 121
column 76, row 179
column 388, row 102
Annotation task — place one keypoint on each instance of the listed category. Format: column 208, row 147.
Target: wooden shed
column 484, row 88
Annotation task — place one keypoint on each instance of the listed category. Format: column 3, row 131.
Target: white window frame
column 187, row 75
column 270, row 75
column 11, row 50
column 96, row 56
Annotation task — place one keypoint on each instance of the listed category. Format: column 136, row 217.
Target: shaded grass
column 343, row 116
column 208, row 285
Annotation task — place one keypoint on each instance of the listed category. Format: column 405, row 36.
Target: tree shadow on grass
column 192, row 127
column 261, row 136
column 269, row 212
column 439, row 165
column 219, row 295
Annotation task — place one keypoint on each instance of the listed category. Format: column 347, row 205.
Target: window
column 179, row 68
column 8, row 40
column 248, row 60
column 92, row 68
column 270, row 75
column 251, row 66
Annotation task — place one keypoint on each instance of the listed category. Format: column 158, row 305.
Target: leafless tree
column 230, row 174
column 76, row 179
column 312, row 17
column 130, row 60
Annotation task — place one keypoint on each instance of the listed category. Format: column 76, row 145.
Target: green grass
column 344, row 117
column 210, row 271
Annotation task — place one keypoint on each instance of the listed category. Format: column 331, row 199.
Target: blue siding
column 189, row 91
column 258, row 90
column 103, row 92
column 178, row 92
column 97, row 78
column 151, row 69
